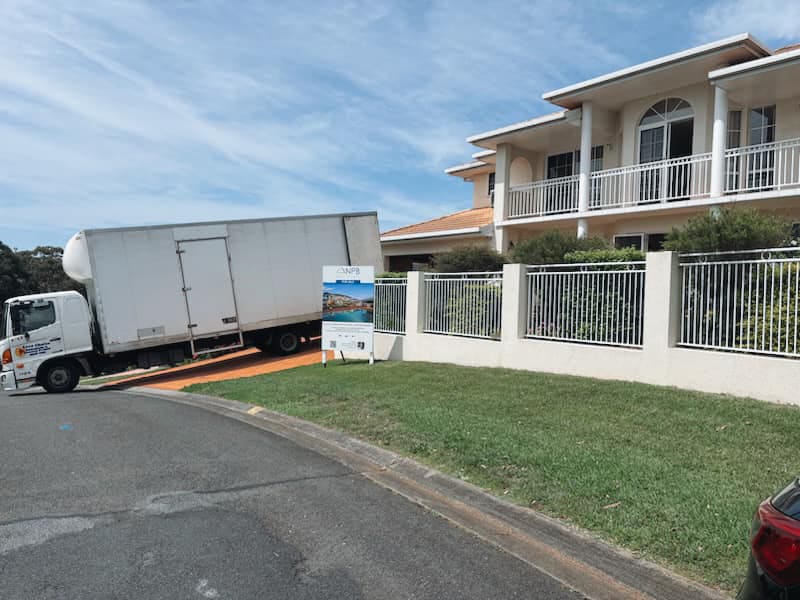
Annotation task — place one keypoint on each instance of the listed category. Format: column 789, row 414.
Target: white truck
column 158, row 295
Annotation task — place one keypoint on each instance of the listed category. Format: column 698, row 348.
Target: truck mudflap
column 8, row 380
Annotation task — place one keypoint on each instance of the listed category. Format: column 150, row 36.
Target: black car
column 773, row 570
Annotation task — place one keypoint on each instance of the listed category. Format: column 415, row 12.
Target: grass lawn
column 673, row 475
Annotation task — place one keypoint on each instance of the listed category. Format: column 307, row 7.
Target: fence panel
column 390, row 305
column 596, row 303
column 465, row 304
column 741, row 301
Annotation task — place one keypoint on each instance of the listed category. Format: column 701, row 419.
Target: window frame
column 595, row 164
column 16, row 324
column 640, row 235
column 769, row 128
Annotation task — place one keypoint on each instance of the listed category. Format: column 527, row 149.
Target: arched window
column 665, row 133
column 666, row 130
column 670, row 109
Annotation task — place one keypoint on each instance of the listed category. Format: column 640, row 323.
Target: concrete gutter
column 579, row 560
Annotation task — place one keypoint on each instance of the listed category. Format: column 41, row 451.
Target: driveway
column 245, row 363
column 114, row 495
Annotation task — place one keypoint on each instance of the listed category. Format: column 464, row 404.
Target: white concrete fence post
column 515, row 302
column 662, row 303
column 415, row 303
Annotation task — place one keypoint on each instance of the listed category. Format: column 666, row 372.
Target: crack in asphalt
column 33, row 531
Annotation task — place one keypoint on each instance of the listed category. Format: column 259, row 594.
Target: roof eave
column 477, row 230
column 744, row 39
column 757, row 66
column 551, row 119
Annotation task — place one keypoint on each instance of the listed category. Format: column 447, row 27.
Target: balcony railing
column 758, row 168
column 772, row 166
column 682, row 178
column 546, row 197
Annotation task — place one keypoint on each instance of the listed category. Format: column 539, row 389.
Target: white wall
column 660, row 361
column 480, row 191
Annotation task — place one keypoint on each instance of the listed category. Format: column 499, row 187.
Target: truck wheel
column 60, row 377
column 286, row 342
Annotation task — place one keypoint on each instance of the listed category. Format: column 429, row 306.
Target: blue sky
column 133, row 112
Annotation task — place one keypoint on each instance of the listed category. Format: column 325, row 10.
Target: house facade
column 630, row 154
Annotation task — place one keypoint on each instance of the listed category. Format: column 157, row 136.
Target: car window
column 29, row 316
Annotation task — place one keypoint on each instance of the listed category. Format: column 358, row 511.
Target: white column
column 515, row 302
column 720, row 134
column 662, row 304
column 415, row 303
column 502, row 178
column 584, row 181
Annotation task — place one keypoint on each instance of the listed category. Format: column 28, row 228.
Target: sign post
column 348, row 302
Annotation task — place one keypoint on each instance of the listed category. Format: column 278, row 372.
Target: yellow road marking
column 255, row 410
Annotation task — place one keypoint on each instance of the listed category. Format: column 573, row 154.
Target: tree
column 730, row 229
column 44, row 270
column 13, row 278
column 469, row 259
column 551, row 247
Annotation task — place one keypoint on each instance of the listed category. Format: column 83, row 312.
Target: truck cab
column 44, row 339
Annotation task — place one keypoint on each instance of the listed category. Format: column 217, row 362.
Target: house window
column 560, row 165
column 490, row 191
column 655, row 241
column 762, row 125
column 569, row 163
column 734, row 129
column 761, row 164
column 634, row 240
column 733, row 163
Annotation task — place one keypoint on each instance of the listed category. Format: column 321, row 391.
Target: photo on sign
column 348, row 302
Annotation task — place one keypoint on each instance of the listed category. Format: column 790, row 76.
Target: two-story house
column 632, row 153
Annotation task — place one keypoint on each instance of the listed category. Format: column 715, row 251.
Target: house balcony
column 768, row 169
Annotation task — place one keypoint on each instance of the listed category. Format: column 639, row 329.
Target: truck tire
column 285, row 342
column 59, row 377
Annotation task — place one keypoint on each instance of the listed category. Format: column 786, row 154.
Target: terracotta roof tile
column 472, row 217
column 787, row 48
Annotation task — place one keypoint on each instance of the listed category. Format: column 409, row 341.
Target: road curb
column 584, row 563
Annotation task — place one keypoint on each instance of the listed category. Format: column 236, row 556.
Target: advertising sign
column 348, row 301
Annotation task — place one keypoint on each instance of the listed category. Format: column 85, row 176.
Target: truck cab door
column 36, row 336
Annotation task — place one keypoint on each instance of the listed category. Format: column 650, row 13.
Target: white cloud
column 767, row 19
column 133, row 111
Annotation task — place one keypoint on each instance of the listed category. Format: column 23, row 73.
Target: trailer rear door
column 208, row 287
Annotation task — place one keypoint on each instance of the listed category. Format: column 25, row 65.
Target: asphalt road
column 116, row 496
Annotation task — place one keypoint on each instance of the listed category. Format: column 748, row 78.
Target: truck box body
column 152, row 286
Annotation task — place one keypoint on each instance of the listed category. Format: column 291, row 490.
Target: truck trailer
column 161, row 294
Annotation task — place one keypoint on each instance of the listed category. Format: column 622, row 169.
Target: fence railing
column 763, row 167
column 390, row 305
column 741, row 301
column 465, row 304
column 546, row 197
column 682, row 178
column 597, row 303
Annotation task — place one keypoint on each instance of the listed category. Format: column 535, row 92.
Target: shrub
column 469, row 259
column 730, row 229
column 604, row 255
column 552, row 246
column 393, row 275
